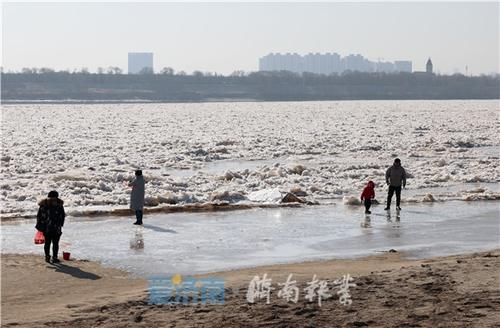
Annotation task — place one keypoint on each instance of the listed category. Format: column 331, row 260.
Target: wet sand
column 391, row 291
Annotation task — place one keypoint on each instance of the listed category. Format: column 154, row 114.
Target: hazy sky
column 223, row 37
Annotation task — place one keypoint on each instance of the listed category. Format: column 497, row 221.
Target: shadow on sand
column 74, row 271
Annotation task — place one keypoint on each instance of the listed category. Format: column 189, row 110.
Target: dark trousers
column 368, row 203
column 51, row 237
column 138, row 216
column 393, row 189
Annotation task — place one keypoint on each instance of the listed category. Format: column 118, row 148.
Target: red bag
column 39, row 238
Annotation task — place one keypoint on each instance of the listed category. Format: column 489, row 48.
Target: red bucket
column 66, row 256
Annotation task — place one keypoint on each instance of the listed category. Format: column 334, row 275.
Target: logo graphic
column 178, row 289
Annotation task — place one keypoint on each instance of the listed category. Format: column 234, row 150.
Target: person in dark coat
column 395, row 176
column 50, row 220
column 137, row 196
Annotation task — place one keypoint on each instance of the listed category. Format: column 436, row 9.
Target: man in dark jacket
column 395, row 176
column 50, row 220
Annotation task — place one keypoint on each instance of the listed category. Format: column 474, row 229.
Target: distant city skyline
column 329, row 63
column 227, row 37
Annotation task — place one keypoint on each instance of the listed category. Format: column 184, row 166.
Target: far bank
column 65, row 87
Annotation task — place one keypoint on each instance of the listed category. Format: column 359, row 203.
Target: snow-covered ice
column 244, row 152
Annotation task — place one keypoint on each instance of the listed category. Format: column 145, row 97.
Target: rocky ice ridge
column 245, row 152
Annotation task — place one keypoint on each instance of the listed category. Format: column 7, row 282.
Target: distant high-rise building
column 353, row 63
column 385, row 67
column 140, row 62
column 403, row 66
column 428, row 66
column 329, row 63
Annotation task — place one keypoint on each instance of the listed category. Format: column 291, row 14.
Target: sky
column 224, row 37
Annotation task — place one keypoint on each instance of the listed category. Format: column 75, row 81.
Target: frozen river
column 191, row 243
column 197, row 153
column 238, row 152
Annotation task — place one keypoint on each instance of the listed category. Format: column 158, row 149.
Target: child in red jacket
column 367, row 195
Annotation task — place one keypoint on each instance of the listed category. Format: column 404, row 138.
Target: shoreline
column 217, row 207
column 221, row 100
column 165, row 209
column 391, row 291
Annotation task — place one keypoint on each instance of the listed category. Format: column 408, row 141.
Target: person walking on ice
column 137, row 196
column 367, row 196
column 395, row 176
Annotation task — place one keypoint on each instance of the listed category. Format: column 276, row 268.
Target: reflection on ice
column 391, row 217
column 137, row 242
column 367, row 222
column 201, row 242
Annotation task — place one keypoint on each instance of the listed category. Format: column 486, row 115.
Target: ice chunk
column 226, row 143
column 168, row 198
column 440, row 178
column 351, row 200
column 69, row 177
column 314, row 189
column 441, row 162
column 104, row 187
column 151, row 201
column 428, row 198
column 229, row 175
column 297, row 169
column 226, row 195
column 477, row 190
column 297, row 191
column 265, row 195
column 291, row 198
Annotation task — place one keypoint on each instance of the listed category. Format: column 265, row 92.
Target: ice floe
column 245, row 152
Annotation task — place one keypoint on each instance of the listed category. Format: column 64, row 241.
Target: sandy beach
column 391, row 291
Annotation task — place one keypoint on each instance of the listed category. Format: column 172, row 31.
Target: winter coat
column 368, row 191
column 50, row 217
column 137, row 195
column 395, row 175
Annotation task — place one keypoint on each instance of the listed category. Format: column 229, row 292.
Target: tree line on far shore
column 110, row 84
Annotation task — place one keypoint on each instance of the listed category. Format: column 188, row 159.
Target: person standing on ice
column 137, row 196
column 50, row 220
column 367, row 195
column 395, row 176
